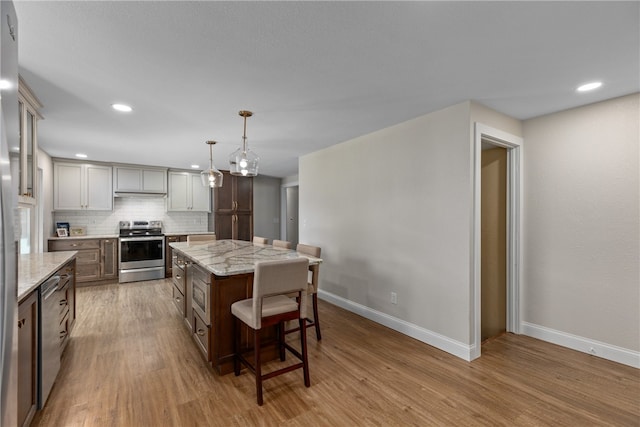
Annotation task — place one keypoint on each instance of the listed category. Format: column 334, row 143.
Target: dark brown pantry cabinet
column 233, row 208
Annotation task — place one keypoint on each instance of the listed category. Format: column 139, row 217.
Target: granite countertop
column 191, row 232
column 229, row 257
column 98, row 236
column 34, row 269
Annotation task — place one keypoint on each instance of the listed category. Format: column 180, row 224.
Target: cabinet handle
column 200, row 332
column 178, row 299
column 63, row 334
column 178, row 276
column 63, row 302
column 74, row 245
column 21, row 322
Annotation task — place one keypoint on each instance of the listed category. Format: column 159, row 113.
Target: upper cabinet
column 23, row 157
column 128, row 179
column 186, row 193
column 82, row 186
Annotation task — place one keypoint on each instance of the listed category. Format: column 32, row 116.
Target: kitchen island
column 209, row 278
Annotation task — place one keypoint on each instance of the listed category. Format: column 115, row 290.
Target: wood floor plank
column 131, row 362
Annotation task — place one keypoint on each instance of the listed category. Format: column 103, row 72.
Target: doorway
column 512, row 145
column 493, row 241
column 291, row 194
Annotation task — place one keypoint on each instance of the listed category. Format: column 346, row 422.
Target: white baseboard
column 585, row 345
column 434, row 339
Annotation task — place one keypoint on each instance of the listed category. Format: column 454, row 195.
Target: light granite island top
column 231, row 257
column 34, row 269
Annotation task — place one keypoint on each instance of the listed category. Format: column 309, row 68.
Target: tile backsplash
column 106, row 222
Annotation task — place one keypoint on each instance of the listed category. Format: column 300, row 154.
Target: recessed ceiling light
column 589, row 86
column 81, row 155
column 195, row 166
column 122, row 107
column 5, row 84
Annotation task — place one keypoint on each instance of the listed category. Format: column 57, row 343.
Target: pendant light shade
column 211, row 177
column 244, row 162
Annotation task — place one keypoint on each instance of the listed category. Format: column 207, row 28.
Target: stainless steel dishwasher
column 49, row 354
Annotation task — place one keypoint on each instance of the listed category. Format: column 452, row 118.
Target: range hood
column 138, row 194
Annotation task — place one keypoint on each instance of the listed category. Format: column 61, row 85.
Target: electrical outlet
column 394, row 298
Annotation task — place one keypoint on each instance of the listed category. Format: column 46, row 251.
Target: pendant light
column 244, row 162
column 211, row 177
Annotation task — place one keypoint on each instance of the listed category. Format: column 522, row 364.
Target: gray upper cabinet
column 127, row 179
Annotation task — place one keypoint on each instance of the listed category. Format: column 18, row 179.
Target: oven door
column 141, row 252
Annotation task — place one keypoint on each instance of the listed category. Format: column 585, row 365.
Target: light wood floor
column 130, row 362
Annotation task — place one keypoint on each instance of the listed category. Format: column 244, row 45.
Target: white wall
column 392, row 213
column 581, row 201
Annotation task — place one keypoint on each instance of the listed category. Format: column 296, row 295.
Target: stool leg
column 236, row 346
column 281, row 335
column 314, row 298
column 258, row 368
column 303, row 346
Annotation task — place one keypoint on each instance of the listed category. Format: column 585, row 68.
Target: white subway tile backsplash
column 101, row 223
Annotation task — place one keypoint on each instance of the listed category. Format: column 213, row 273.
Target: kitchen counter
column 34, row 269
column 232, row 257
column 190, row 232
column 95, row 236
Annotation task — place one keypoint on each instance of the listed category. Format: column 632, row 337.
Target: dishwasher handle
column 49, row 287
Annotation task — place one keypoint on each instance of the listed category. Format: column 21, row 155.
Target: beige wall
column 581, row 201
column 392, row 213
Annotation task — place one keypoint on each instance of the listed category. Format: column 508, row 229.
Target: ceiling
column 314, row 73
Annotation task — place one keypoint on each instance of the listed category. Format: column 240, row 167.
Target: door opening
column 493, row 241
column 292, row 215
column 512, row 145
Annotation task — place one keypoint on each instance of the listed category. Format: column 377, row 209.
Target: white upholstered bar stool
column 201, row 238
column 312, row 285
column 260, row 240
column 269, row 306
column 282, row 244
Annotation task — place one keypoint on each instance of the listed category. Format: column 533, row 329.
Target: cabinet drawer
column 202, row 334
column 87, row 272
column 178, row 277
column 73, row 245
column 178, row 300
column 64, row 332
column 89, row 256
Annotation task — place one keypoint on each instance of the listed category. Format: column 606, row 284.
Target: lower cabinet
column 168, row 252
column 97, row 259
column 27, row 359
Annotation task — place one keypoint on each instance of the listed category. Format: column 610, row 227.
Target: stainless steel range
column 141, row 251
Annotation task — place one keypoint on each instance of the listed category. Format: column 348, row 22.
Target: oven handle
column 142, row 239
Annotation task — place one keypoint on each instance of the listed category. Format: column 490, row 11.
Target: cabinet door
column 99, row 188
column 67, row 186
column 244, row 193
column 243, row 226
column 178, row 197
column 154, row 180
column 127, row 179
column 224, row 226
column 224, row 196
column 200, row 195
column 109, row 248
column 27, row 358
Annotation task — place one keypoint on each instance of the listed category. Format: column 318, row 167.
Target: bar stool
column 269, row 306
column 312, row 286
column 282, row 244
column 260, row 240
